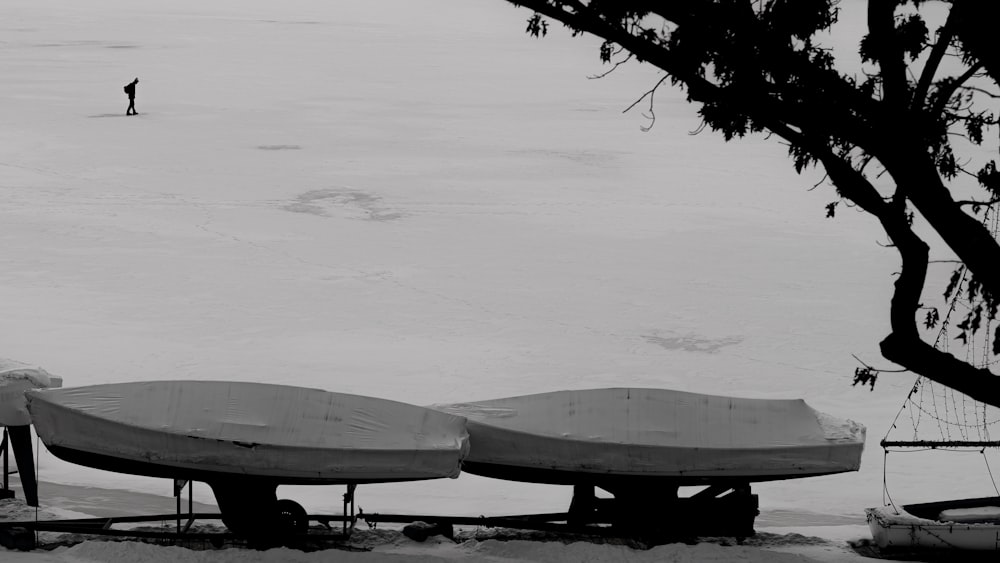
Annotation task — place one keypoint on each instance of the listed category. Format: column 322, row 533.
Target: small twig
column 649, row 94
column 612, row 69
column 821, row 181
column 981, row 91
column 978, row 203
column 877, row 369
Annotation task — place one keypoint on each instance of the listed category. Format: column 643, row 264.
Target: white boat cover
column 277, row 431
column 659, row 433
column 971, row 515
column 16, row 378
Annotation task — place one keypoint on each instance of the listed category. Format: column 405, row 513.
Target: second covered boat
column 623, row 434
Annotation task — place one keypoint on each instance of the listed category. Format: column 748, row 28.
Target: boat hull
column 920, row 526
column 209, row 430
column 631, row 436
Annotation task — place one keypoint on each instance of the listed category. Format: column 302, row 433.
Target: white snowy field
column 413, row 200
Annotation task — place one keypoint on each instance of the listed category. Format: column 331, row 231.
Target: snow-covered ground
column 413, row 200
column 390, row 546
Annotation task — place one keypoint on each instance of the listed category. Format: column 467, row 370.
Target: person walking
column 130, row 91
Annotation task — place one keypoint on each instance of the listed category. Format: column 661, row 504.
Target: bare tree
column 756, row 66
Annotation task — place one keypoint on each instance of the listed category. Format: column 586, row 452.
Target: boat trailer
column 292, row 529
column 657, row 513
column 648, row 515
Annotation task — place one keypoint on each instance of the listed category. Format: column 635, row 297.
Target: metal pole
column 939, row 444
column 6, row 485
column 178, row 490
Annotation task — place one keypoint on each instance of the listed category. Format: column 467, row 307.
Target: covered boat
column 643, row 445
column 199, row 429
column 246, row 439
column 621, row 434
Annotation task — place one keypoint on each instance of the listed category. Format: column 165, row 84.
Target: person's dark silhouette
column 130, row 90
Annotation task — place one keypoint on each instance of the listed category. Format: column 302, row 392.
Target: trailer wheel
column 292, row 518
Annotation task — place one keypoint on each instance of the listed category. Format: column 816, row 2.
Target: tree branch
column 975, row 28
column 945, row 35
column 976, row 203
column 903, row 345
column 981, row 91
column 948, row 88
column 727, row 58
column 963, row 233
column 881, row 31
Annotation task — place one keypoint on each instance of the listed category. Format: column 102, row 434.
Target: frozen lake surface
column 415, row 201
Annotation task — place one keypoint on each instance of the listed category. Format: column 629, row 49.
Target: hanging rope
column 990, row 471
column 885, row 482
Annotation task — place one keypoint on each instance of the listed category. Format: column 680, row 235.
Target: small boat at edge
column 962, row 525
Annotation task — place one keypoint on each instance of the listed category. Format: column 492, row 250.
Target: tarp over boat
column 187, row 429
column 570, row 436
column 16, row 378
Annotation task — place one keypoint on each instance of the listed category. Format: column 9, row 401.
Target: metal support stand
column 6, row 491
column 347, row 518
column 179, row 485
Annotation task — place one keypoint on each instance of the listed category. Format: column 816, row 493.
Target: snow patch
column 279, row 147
column 839, row 429
column 692, row 342
column 362, row 205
